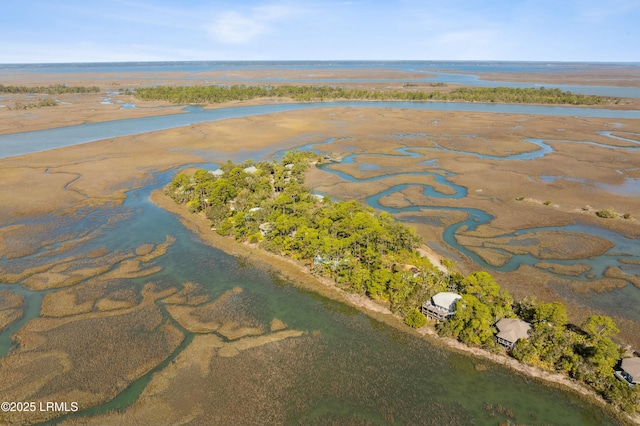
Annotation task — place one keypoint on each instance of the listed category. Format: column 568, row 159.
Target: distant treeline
column 218, row 94
column 56, row 89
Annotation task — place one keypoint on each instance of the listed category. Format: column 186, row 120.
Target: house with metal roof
column 510, row 330
column 441, row 306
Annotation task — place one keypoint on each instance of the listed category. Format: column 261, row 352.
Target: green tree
column 377, row 286
column 472, row 322
column 415, row 319
column 600, row 326
column 554, row 313
column 480, row 284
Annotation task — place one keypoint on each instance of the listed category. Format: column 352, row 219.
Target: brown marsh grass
column 191, row 294
column 94, row 355
column 11, row 307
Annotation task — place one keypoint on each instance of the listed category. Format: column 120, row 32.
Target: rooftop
column 632, row 367
column 446, row 300
column 512, row 329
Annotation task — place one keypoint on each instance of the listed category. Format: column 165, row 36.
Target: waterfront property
column 510, row 330
column 630, row 370
column 441, row 306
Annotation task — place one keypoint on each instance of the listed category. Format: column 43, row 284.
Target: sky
column 49, row 31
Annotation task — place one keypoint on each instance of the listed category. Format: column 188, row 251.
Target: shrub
column 415, row 319
column 606, row 213
column 194, row 206
column 255, row 238
column 547, row 203
column 225, row 228
column 627, row 215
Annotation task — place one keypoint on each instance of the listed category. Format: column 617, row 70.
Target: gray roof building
column 631, row 366
column 510, row 330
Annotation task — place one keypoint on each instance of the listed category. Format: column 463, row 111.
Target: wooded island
column 221, row 93
column 370, row 253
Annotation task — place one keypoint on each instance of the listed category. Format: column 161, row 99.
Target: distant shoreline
column 299, row 276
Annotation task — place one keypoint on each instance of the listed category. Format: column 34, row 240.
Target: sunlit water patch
column 552, row 179
column 630, row 187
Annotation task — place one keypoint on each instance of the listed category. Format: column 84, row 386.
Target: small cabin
column 441, row 306
column 510, row 330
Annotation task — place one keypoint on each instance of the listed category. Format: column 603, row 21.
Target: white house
column 441, row 306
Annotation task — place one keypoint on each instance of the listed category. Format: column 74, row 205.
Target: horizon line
column 594, row 62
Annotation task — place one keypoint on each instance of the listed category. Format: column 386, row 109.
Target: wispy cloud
column 77, row 30
column 234, row 27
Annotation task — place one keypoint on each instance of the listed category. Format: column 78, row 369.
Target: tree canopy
column 221, row 93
